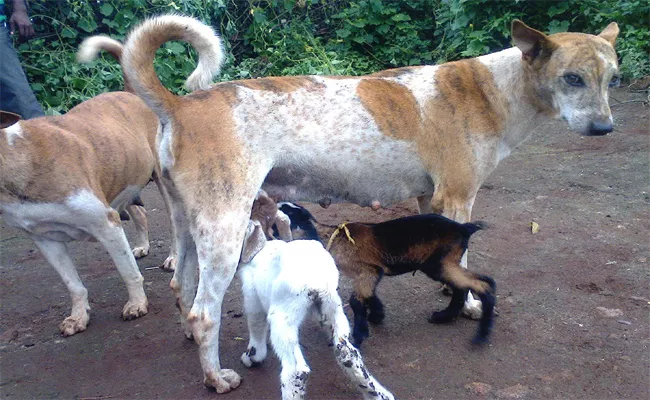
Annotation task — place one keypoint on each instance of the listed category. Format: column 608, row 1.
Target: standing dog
column 67, row 178
column 435, row 132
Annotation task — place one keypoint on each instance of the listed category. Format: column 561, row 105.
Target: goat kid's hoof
column 248, row 362
column 133, row 311
column 72, row 325
column 140, row 252
column 480, row 340
column 441, row 317
column 376, row 318
column 223, row 381
column 170, row 264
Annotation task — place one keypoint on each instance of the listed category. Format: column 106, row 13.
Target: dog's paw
column 134, row 310
column 72, row 325
column 170, row 264
column 473, row 309
column 139, row 252
column 446, row 290
column 223, row 381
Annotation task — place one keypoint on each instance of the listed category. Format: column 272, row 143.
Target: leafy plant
column 294, row 37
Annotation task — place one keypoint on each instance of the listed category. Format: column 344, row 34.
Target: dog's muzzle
column 600, row 128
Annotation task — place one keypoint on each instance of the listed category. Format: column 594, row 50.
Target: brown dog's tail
column 91, row 46
column 140, row 50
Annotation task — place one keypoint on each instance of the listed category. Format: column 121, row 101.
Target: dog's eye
column 616, row 80
column 574, row 80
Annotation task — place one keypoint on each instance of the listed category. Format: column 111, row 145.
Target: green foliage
column 295, row 37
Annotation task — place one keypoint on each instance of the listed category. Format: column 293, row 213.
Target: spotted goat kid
column 429, row 243
column 283, row 283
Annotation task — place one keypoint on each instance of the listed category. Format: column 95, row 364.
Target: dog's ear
column 531, row 42
column 254, row 241
column 8, row 118
column 610, row 33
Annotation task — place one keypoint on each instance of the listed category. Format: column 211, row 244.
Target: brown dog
column 435, row 132
column 67, row 178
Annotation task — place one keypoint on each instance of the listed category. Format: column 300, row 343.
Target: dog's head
column 571, row 74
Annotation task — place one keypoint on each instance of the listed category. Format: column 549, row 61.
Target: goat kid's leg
column 459, row 209
column 57, row 255
column 109, row 232
column 284, row 338
column 139, row 216
column 453, row 310
column 258, row 328
column 488, row 299
column 347, row 356
column 361, row 330
column 375, row 310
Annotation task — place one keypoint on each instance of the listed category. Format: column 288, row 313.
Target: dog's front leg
column 57, row 255
column 457, row 205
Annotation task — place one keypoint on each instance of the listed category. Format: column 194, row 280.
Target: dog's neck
column 515, row 83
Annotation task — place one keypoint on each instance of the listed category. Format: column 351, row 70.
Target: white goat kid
column 280, row 289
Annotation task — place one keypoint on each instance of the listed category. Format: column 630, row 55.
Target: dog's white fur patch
column 12, row 132
column 360, row 152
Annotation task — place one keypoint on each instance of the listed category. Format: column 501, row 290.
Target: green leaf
column 69, row 33
column 400, row 17
column 175, row 48
column 343, row 33
column 87, row 25
column 106, row 9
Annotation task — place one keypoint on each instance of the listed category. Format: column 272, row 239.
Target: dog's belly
column 389, row 173
column 51, row 228
column 326, row 145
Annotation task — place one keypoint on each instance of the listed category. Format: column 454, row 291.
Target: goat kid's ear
column 254, row 241
column 531, row 42
column 610, row 33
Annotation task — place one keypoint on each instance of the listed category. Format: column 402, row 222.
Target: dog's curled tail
column 91, row 46
column 140, row 49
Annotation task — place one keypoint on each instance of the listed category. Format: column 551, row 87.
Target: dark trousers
column 15, row 94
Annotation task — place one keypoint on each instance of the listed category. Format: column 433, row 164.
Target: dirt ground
column 573, row 299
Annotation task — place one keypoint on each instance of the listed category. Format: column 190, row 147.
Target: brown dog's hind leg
column 139, row 216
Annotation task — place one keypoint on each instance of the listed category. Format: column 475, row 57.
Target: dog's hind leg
column 219, row 238
column 165, row 187
column 184, row 260
column 109, row 232
column 139, row 216
column 57, row 255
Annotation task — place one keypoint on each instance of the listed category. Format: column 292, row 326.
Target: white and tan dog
column 435, row 132
column 67, row 178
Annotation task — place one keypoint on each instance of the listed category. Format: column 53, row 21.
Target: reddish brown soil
column 590, row 197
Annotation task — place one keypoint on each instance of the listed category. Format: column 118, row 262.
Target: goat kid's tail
column 140, row 49
column 89, row 50
column 472, row 227
column 348, row 356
